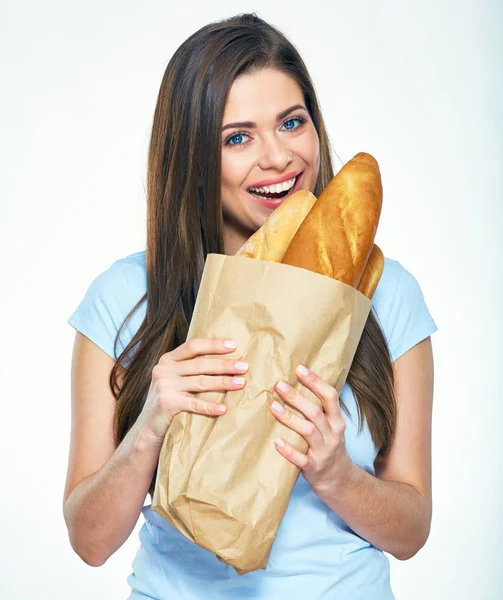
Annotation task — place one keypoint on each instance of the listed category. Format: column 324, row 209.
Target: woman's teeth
column 277, row 188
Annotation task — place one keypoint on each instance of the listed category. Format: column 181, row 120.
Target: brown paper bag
column 220, row 480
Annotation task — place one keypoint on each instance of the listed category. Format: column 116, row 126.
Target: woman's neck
column 234, row 237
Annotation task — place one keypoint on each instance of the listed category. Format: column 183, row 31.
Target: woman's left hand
column 327, row 463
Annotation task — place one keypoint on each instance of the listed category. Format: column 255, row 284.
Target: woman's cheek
column 235, row 168
column 308, row 149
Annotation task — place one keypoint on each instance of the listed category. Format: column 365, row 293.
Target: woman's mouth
column 273, row 195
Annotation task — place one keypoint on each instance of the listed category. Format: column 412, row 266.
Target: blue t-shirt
column 315, row 554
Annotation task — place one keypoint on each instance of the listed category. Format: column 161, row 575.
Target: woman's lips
column 275, row 203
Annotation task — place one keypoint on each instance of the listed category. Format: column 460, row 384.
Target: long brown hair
column 185, row 220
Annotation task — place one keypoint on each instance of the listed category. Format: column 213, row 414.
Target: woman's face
column 268, row 139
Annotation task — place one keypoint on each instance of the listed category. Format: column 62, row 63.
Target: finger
column 290, row 453
column 207, row 365
column 188, row 403
column 307, row 429
column 196, row 346
column 208, row 383
column 313, row 412
column 325, row 392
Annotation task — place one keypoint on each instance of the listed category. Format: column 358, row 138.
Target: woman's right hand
column 182, row 371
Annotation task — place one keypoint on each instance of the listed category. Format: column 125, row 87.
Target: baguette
column 271, row 241
column 372, row 274
column 337, row 236
column 333, row 235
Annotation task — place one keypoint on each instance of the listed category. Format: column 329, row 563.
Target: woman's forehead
column 261, row 96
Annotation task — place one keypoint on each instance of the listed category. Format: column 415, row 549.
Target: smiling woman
column 269, row 151
column 237, row 127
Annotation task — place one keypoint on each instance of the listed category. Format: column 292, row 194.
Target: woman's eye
column 237, row 137
column 292, row 123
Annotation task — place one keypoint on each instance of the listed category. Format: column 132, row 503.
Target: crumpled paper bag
column 220, row 480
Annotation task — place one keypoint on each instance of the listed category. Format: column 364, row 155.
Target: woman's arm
column 106, row 487
column 103, row 509
column 393, row 510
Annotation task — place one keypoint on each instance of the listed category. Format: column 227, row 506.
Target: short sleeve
column 101, row 312
column 411, row 321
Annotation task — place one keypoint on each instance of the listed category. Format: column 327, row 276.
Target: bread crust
column 271, row 241
column 372, row 273
column 332, row 235
column 337, row 236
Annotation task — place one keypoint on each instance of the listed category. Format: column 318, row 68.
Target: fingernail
column 242, row 366
column 277, row 407
column 230, row 344
column 238, row 380
column 221, row 408
column 280, row 442
column 283, row 386
column 302, row 370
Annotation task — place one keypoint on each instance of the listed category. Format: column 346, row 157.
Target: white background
column 416, row 84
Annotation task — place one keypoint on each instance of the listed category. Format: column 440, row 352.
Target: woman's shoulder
column 132, row 267
column 124, row 281
column 401, row 308
column 394, row 277
column 134, row 259
column 109, row 298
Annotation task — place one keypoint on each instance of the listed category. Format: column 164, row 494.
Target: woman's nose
column 274, row 154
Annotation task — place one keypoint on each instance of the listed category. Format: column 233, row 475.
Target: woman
column 237, row 113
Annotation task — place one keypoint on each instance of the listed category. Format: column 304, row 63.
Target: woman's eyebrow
column 251, row 124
